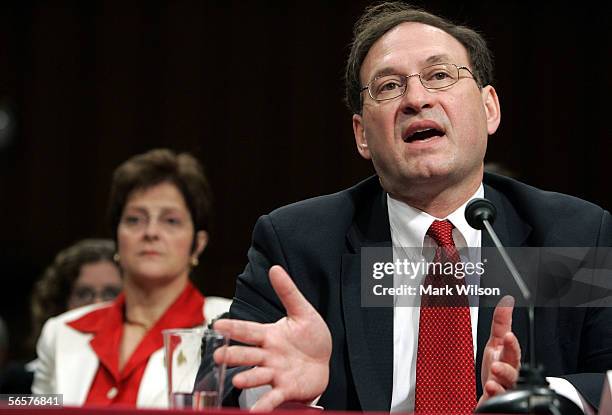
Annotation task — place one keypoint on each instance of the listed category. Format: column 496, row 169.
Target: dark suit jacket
column 318, row 242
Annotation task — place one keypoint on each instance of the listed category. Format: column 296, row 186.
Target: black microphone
column 532, row 393
column 478, row 211
column 480, row 214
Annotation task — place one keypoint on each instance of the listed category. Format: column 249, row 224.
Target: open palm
column 291, row 355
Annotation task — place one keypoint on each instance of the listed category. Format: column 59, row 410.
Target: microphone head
column 479, row 210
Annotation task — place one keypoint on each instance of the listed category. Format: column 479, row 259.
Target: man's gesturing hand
column 291, row 355
column 502, row 354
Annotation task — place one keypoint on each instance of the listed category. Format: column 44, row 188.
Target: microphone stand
column 532, row 393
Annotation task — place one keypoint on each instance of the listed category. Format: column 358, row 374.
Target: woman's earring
column 116, row 257
column 194, row 261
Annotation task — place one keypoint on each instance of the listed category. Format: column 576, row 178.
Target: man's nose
column 416, row 97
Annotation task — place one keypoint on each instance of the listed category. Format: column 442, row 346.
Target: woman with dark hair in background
column 108, row 354
column 82, row 274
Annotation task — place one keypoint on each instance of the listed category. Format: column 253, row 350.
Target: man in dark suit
column 423, row 108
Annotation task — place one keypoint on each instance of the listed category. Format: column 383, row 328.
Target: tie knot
column 441, row 231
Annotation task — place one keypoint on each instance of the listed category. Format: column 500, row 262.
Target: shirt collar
column 409, row 225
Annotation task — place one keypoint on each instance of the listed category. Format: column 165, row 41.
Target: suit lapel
column 75, row 360
column 153, row 390
column 369, row 330
column 512, row 232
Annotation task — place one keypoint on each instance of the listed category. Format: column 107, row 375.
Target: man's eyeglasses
column 439, row 76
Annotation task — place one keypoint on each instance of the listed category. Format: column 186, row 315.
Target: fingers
column 511, row 351
column 493, row 388
column 490, row 389
column 502, row 320
column 505, row 362
column 292, row 299
column 269, row 401
column 242, row 331
column 503, row 374
column 258, row 376
column 239, row 355
column 503, row 350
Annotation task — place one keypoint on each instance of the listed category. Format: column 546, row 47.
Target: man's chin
column 409, row 179
column 420, row 185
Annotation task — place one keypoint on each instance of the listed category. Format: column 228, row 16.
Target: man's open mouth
column 423, row 134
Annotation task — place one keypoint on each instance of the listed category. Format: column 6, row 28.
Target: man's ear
column 360, row 138
column 492, row 108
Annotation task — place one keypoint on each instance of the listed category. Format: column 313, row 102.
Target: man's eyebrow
column 438, row 59
column 383, row 72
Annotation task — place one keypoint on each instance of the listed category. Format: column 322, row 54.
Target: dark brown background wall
column 253, row 89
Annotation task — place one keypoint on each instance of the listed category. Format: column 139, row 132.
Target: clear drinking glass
column 185, row 351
